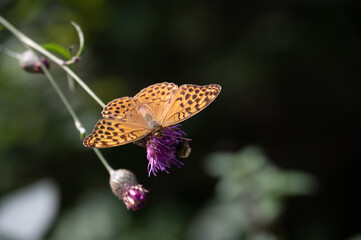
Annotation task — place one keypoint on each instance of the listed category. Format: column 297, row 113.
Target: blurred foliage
column 358, row 237
column 98, row 216
column 30, row 211
column 249, row 196
column 290, row 79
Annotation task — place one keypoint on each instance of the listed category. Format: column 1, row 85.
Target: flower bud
column 183, row 149
column 125, row 186
column 30, row 62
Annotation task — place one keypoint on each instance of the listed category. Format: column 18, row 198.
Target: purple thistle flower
column 134, row 198
column 162, row 147
column 125, row 186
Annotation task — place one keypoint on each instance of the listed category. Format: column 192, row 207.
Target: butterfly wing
column 112, row 133
column 121, row 124
column 189, row 100
column 125, row 119
column 155, row 99
column 124, row 110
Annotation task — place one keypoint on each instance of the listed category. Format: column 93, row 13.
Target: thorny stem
column 27, row 41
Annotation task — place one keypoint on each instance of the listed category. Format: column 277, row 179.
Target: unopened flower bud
column 31, row 63
column 183, row 149
column 125, row 186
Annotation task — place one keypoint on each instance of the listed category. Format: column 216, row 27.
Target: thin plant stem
column 71, row 111
column 60, row 93
column 9, row 52
column 103, row 160
column 27, row 41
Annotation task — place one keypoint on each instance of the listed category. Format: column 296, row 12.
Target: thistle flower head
column 125, row 186
column 30, row 62
column 162, row 148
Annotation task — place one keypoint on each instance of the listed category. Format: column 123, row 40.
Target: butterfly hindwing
column 111, row 133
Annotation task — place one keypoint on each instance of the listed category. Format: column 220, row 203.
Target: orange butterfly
column 161, row 105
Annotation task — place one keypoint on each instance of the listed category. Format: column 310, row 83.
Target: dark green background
column 290, row 76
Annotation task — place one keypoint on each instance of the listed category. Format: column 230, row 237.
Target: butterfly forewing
column 189, row 100
column 124, row 110
column 155, row 99
column 111, row 133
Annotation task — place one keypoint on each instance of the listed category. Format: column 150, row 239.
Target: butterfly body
column 158, row 106
column 152, row 124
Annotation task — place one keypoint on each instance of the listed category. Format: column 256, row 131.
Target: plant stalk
column 27, row 41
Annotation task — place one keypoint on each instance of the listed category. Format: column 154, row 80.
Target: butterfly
column 129, row 119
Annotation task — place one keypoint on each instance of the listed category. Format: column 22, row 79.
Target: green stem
column 71, row 111
column 27, row 41
column 103, row 160
column 9, row 52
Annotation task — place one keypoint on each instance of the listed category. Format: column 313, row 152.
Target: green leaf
column 81, row 39
column 58, row 49
column 1, row 27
